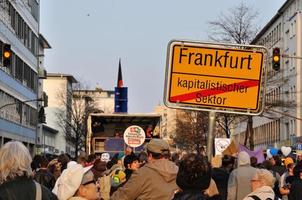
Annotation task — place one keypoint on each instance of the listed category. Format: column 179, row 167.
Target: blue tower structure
column 121, row 94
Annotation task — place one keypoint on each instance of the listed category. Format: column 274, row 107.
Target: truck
column 105, row 131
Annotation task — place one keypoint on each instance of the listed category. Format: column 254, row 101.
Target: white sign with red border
column 134, row 136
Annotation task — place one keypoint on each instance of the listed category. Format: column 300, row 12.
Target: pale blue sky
column 89, row 36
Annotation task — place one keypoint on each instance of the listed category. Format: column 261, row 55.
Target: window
column 19, row 68
column 22, row 72
column 26, row 79
column 22, row 30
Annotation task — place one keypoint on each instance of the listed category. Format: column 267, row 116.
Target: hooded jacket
column 263, row 193
column 239, row 183
column 156, row 180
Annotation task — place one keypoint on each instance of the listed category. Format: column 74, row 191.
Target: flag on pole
column 257, row 153
column 119, row 78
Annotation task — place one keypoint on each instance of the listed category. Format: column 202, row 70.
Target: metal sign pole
column 210, row 135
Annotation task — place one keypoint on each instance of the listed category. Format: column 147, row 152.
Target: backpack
column 109, row 182
column 105, row 186
column 257, row 198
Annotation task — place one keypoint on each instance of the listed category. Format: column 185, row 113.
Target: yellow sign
column 213, row 76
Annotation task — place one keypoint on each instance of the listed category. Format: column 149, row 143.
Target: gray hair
column 265, row 176
column 15, row 161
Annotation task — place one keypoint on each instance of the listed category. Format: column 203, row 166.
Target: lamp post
column 10, row 104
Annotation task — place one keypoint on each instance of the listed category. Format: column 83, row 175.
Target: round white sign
column 134, row 136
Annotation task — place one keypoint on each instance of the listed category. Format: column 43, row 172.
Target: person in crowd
column 299, row 156
column 118, row 179
column 118, row 163
column 91, row 159
column 277, row 165
column 142, row 158
column 35, row 162
column 43, row 176
column 155, row 180
column 99, row 168
column 221, row 175
column 54, row 167
column 289, row 180
column 82, row 159
column 254, row 161
column 63, row 159
column 175, row 157
column 77, row 183
column 131, row 164
column 239, row 183
column 193, row 178
column 128, row 151
column 16, row 182
column 262, row 183
column 267, row 164
column 284, row 186
column 112, row 161
column 296, row 186
column 212, row 189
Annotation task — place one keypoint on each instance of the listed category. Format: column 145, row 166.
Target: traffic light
column 7, row 55
column 41, row 116
column 45, row 99
column 276, row 59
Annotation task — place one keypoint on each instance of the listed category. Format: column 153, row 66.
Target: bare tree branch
column 236, row 26
column 191, row 130
column 73, row 119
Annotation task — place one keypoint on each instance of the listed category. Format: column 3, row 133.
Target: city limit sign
column 215, row 77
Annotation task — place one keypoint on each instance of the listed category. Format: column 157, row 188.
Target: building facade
column 168, row 121
column 280, row 124
column 19, row 27
column 58, row 88
column 102, row 100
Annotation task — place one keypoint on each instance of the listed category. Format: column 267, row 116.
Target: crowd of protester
column 151, row 174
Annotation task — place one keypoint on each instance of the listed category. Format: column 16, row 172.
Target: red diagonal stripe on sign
column 209, row 92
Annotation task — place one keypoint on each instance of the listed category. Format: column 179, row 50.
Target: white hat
column 70, row 181
column 243, row 158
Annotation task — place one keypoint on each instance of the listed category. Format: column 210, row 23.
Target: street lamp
column 9, row 104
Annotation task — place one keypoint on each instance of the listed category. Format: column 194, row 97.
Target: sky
column 89, row 36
